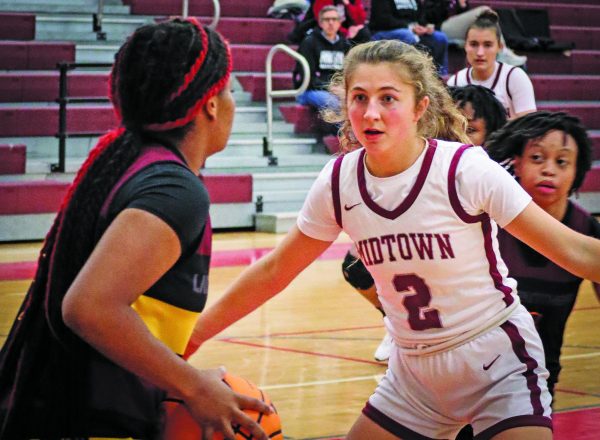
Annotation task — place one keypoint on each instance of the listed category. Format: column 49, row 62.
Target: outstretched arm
column 575, row 252
column 258, row 283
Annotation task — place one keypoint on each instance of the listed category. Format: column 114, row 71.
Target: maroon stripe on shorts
column 391, row 425
column 514, row 422
column 518, row 344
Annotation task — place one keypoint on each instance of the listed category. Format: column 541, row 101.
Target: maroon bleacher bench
column 591, row 183
column 229, row 8
column 17, row 26
column 559, row 13
column 229, row 188
column 31, row 197
column 303, row 117
column 45, row 196
column 34, row 55
column 40, row 86
column 12, row 158
column 595, row 138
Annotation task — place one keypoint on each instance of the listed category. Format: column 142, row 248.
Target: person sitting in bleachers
column 405, row 20
column 353, row 19
column 324, row 49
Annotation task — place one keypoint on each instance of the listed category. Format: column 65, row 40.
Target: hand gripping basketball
column 180, row 425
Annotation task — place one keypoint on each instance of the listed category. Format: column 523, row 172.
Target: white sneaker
column 382, row 354
column 507, row 56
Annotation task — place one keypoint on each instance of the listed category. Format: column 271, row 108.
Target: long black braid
column 156, row 98
column 510, row 141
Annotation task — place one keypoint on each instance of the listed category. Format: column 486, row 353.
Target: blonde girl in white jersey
column 423, row 212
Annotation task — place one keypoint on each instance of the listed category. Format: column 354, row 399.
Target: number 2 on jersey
column 418, row 318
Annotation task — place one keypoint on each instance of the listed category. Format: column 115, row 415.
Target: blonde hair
column 441, row 119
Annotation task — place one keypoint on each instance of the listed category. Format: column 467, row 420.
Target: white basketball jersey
column 506, row 82
column 437, row 269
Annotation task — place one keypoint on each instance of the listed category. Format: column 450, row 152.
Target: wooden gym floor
column 311, row 347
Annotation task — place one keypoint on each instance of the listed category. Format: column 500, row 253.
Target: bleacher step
column 277, row 223
column 73, row 6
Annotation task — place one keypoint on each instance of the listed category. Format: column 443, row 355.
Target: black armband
column 356, row 273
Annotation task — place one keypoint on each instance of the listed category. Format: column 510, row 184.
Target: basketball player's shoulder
column 458, row 156
column 354, row 154
column 458, row 79
column 350, row 159
column 447, row 148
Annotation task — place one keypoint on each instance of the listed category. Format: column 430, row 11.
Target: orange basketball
column 179, row 424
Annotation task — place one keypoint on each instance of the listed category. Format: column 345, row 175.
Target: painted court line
column 309, row 332
column 577, row 393
column 293, row 350
column 580, row 356
column 373, row 377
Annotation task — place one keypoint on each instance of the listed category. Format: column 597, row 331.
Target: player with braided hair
column 549, row 153
column 482, row 109
column 122, row 276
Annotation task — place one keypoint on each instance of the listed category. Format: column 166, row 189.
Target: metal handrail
column 97, row 21
column 62, row 100
column 268, row 140
column 216, row 14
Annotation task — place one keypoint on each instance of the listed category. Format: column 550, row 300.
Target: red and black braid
column 159, row 76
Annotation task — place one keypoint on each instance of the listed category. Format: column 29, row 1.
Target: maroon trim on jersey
column 335, row 190
column 514, row 422
column 149, row 156
column 205, row 247
column 453, row 194
column 486, row 227
column 518, row 345
column 391, row 425
column 507, row 78
column 500, row 65
column 412, row 195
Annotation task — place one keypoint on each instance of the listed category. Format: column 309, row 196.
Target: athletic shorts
column 495, row 382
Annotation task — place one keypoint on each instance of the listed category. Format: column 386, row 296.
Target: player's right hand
column 216, row 407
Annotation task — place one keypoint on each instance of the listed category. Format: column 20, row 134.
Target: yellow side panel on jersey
column 172, row 325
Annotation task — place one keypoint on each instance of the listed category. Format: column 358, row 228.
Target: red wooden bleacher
column 42, row 86
column 17, row 26
column 12, row 158
column 34, row 55
column 559, row 13
column 230, row 8
column 45, row 196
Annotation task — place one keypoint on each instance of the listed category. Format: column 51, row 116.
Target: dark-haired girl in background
column 482, row 109
column 512, row 86
column 122, row 276
column 550, row 154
